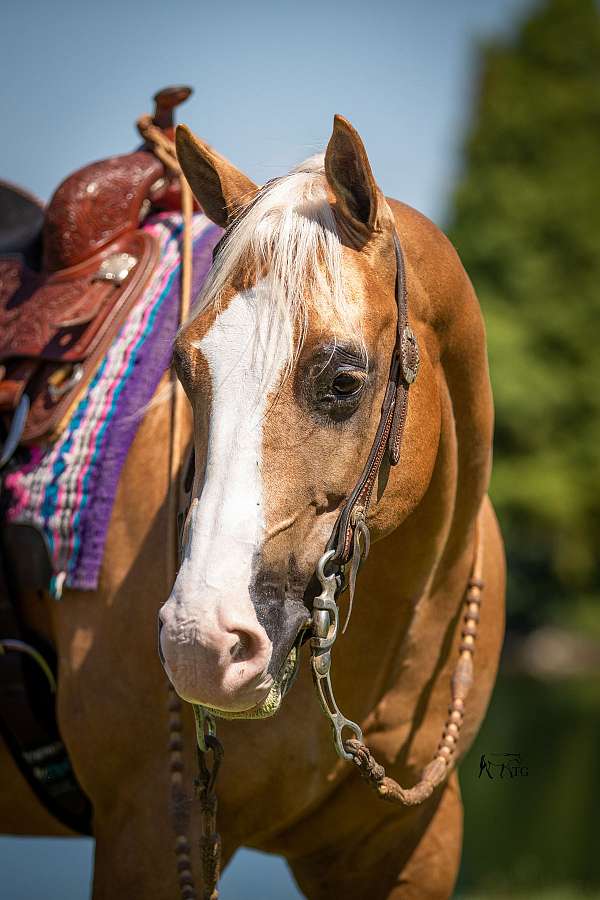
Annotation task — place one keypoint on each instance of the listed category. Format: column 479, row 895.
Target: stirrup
column 16, row 429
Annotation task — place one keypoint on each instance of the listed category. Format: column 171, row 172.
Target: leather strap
column 53, row 338
column 390, row 431
column 28, row 713
column 404, row 367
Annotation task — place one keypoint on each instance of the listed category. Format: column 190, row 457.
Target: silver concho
column 410, row 355
column 116, row 268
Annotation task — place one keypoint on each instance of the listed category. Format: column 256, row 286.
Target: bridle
column 349, row 542
column 349, row 545
column 404, row 367
column 344, row 546
column 337, row 570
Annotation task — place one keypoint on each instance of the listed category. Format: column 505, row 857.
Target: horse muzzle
column 223, row 665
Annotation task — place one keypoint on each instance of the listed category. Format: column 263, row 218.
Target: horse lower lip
column 264, row 682
column 253, row 702
column 260, row 687
column 299, row 634
column 263, row 695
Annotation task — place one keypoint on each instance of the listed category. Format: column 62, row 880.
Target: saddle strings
column 164, row 148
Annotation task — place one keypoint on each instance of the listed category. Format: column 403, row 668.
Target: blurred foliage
column 535, row 836
column 526, row 222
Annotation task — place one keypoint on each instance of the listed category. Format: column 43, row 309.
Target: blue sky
column 268, row 78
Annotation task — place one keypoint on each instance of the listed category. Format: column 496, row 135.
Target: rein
column 325, row 627
column 337, row 570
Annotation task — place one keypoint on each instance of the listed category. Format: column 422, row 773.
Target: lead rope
column 210, row 839
column 354, row 749
column 210, row 843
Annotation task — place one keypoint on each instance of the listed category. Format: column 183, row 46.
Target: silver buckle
column 17, row 426
column 56, row 391
column 410, row 358
column 116, row 268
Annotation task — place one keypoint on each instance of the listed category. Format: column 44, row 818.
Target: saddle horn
column 165, row 102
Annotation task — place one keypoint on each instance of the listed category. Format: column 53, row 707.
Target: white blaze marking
column 226, row 526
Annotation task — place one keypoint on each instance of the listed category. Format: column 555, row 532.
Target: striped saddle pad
column 68, row 490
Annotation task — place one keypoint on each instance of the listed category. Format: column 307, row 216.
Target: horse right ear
column 348, row 171
column 220, row 188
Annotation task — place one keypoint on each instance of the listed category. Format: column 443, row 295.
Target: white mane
column 289, row 232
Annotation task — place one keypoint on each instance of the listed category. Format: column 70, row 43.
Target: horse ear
column 350, row 177
column 220, row 188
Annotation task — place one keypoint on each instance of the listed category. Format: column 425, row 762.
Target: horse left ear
column 350, row 177
column 220, row 189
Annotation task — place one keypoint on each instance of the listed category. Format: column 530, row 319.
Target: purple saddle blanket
column 67, row 490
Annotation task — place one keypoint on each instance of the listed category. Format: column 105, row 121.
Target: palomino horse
column 285, row 360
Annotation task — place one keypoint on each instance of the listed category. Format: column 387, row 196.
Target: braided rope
column 462, row 679
column 210, row 839
column 164, row 148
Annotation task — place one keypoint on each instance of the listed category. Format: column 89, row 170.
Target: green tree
column 526, row 222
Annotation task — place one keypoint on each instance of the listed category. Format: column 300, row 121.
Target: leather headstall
column 351, row 523
column 404, row 366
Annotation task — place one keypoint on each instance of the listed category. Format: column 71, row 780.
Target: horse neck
column 412, row 585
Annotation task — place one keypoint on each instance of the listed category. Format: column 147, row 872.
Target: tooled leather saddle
column 69, row 275
column 57, row 322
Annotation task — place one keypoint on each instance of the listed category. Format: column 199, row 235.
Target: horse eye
column 346, row 384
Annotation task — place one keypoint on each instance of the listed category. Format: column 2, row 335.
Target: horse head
column 286, row 363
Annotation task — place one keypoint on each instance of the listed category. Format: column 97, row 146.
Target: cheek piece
column 350, row 540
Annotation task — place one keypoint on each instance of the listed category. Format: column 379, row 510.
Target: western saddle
column 69, row 275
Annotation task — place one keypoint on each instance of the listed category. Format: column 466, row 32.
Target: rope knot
column 365, row 761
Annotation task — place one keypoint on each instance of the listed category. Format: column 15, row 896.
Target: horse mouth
column 274, row 697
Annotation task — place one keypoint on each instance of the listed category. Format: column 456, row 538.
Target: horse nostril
column 242, row 649
column 161, row 655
